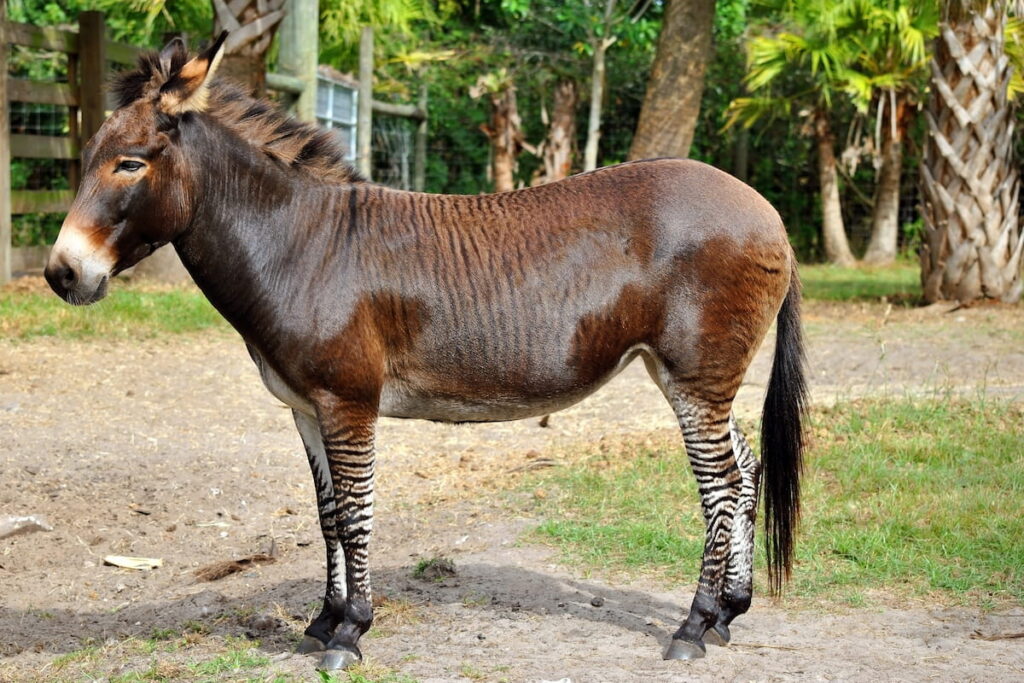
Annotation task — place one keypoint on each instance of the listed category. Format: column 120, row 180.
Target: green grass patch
column 434, row 569
column 84, row 654
column 900, row 282
column 908, row 497
column 129, row 311
column 240, row 655
column 366, row 672
column 133, row 310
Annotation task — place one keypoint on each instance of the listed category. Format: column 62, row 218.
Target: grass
column 240, row 655
column 364, row 672
column 129, row 311
column 898, row 282
column 162, row 658
column 391, row 614
column 911, row 498
column 231, row 658
column 434, row 569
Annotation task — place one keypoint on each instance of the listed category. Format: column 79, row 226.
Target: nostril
column 67, row 277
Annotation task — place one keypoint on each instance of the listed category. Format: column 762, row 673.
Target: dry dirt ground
column 170, row 448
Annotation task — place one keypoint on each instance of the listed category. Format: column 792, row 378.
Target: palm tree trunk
column 969, row 181
column 837, row 248
column 885, row 215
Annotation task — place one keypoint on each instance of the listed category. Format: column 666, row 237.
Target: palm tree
column 892, row 38
column 969, row 179
column 804, row 68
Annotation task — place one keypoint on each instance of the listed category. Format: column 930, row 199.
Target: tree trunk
column 247, row 71
column 885, row 215
column 558, row 148
column 837, row 248
column 252, row 25
column 506, row 135
column 672, row 103
column 969, row 181
column 596, row 98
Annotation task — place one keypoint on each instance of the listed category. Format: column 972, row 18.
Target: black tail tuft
column 782, row 441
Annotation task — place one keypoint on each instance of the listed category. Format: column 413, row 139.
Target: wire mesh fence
column 392, row 151
column 37, row 119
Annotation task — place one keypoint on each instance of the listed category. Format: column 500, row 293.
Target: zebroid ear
column 187, row 86
column 173, row 56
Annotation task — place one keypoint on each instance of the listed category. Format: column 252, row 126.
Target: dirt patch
column 171, row 449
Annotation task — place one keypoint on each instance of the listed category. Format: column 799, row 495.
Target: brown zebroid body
column 358, row 301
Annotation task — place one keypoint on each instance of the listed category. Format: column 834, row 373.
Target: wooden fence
column 88, row 54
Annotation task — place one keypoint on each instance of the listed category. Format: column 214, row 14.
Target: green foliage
column 778, row 155
column 891, row 39
column 396, row 24
column 1014, row 46
column 906, row 496
column 139, row 22
column 805, row 61
column 534, row 44
column 817, row 60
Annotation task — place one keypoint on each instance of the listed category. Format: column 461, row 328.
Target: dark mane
column 301, row 146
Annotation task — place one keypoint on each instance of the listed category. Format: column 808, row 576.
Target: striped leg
column 347, row 450
column 739, row 574
column 709, row 447
column 321, row 629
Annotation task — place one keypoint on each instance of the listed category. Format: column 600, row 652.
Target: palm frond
column 746, row 111
column 1014, row 47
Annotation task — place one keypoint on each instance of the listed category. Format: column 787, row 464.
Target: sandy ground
column 170, row 448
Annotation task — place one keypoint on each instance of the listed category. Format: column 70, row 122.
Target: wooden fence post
column 92, row 74
column 419, row 167
column 74, row 127
column 5, row 155
column 299, row 51
column 364, row 120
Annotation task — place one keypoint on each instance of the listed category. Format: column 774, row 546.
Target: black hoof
column 717, row 635
column 684, row 649
column 337, row 659
column 310, row 645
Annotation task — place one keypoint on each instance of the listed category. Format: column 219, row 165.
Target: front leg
column 321, row 629
column 340, row 449
column 347, row 430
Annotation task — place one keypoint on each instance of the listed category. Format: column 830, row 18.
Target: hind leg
column 739, row 574
column 705, row 422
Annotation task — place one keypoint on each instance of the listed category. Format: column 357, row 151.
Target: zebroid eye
column 129, row 166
